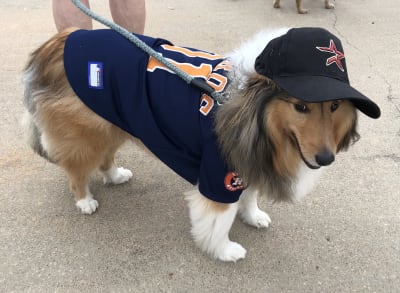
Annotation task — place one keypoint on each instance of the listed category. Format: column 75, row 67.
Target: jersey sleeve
column 216, row 181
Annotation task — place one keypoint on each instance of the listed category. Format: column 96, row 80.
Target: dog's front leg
column 300, row 9
column 211, row 223
column 249, row 211
column 329, row 5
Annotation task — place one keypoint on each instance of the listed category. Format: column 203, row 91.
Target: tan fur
column 261, row 135
column 318, row 130
column 264, row 138
column 213, row 206
column 80, row 141
column 76, row 138
column 299, row 6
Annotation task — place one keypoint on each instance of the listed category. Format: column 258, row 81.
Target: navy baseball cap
column 310, row 65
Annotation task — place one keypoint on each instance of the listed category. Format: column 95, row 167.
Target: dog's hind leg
column 300, row 9
column 111, row 173
column 249, row 211
column 211, row 222
column 116, row 175
column 329, row 5
column 79, row 176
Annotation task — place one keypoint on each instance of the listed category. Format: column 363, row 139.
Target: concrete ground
column 344, row 237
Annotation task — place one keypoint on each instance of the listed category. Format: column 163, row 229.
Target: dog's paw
column 256, row 218
column 329, row 5
column 87, row 205
column 117, row 175
column 277, row 4
column 302, row 11
column 231, row 251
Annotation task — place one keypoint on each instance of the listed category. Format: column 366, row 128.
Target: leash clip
column 208, row 90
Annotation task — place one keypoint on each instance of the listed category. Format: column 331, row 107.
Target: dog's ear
column 351, row 137
column 239, row 122
column 243, row 140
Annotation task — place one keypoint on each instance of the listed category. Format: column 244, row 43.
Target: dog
column 300, row 9
column 287, row 112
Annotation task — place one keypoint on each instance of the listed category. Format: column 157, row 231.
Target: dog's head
column 309, row 64
column 296, row 105
column 316, row 131
column 265, row 134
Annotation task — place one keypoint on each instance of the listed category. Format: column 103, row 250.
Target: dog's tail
column 33, row 132
column 33, row 135
column 41, row 82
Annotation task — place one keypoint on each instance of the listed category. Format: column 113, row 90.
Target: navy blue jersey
column 174, row 120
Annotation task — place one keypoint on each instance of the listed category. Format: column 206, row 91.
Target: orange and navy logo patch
column 233, row 182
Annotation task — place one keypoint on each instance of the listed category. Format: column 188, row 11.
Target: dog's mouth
column 296, row 142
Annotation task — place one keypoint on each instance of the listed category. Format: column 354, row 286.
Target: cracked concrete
column 394, row 157
column 344, row 237
column 344, row 39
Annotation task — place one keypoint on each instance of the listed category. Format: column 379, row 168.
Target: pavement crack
column 346, row 40
column 393, row 157
column 389, row 96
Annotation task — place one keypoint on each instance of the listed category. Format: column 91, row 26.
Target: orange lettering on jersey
column 224, row 65
column 202, row 71
column 206, row 104
column 217, row 81
column 190, row 53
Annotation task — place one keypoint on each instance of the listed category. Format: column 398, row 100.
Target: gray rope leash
column 197, row 82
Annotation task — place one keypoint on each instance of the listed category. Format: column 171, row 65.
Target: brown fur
column 77, row 139
column 264, row 134
column 299, row 6
column 257, row 128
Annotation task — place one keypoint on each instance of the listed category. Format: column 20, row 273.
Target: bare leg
column 67, row 15
column 130, row 14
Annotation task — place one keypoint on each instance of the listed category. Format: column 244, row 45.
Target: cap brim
column 316, row 89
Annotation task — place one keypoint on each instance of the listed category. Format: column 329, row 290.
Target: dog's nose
column 324, row 158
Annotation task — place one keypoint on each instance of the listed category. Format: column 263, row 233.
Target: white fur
column 210, row 228
column 87, row 205
column 249, row 211
column 210, row 225
column 44, row 142
column 116, row 175
column 306, row 179
column 244, row 57
column 27, row 124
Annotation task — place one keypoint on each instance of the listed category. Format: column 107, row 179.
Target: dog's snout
column 324, row 158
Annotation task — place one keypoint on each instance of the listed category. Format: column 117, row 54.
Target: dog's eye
column 301, row 108
column 334, row 106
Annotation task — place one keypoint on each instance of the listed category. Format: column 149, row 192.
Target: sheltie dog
column 300, row 9
column 275, row 142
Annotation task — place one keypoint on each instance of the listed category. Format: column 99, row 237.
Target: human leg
column 65, row 15
column 130, row 14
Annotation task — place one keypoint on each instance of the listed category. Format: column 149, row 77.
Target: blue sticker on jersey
column 95, row 76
